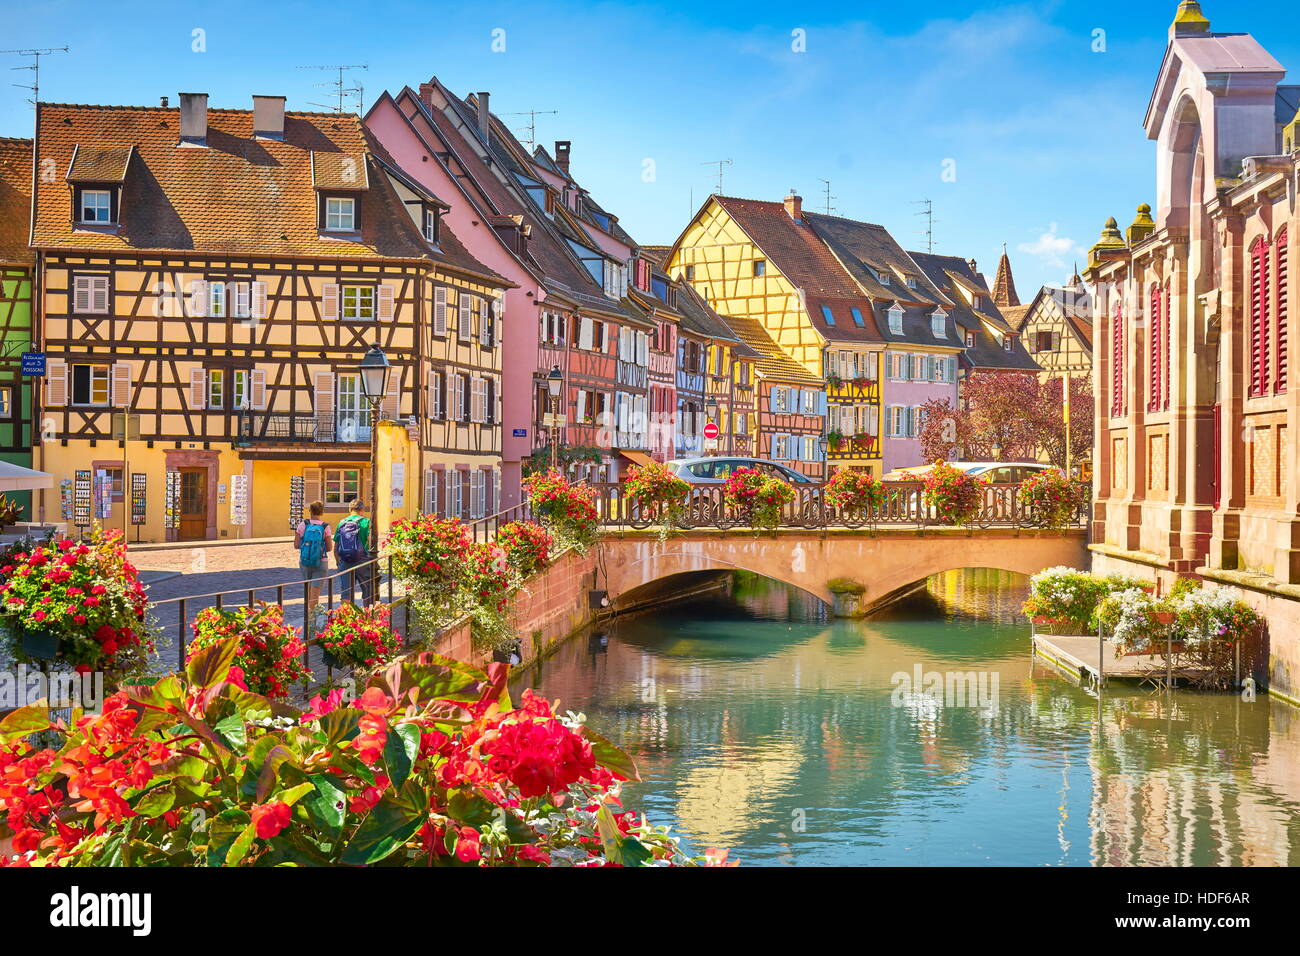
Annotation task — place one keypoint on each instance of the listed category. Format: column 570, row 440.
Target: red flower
column 467, row 845
column 270, row 818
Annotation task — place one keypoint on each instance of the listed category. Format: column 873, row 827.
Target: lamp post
column 821, row 449
column 374, row 386
column 711, row 415
column 554, row 382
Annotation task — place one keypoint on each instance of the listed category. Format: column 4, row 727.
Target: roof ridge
column 176, row 109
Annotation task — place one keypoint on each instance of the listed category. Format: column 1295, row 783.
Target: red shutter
column 1258, row 317
column 1117, row 362
column 1280, row 305
column 1156, row 349
column 1165, row 376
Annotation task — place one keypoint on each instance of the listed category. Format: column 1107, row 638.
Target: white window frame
column 338, row 494
column 939, row 324
column 216, row 388
column 895, row 320
column 340, row 214
column 106, row 208
column 782, row 395
column 217, row 300
column 100, row 375
column 358, row 294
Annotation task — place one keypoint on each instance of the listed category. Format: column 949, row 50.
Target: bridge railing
column 904, row 506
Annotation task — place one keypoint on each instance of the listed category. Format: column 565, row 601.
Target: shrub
column 88, row 595
column 362, row 637
column 1131, row 620
column 567, row 510
column 858, row 491
column 428, row 553
column 1068, row 597
column 1212, row 615
column 527, row 546
column 1052, row 497
column 955, row 495
column 658, row 493
column 267, row 652
column 488, row 582
column 761, row 498
column 431, row 766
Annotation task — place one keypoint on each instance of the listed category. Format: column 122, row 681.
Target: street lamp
column 554, row 382
column 374, row 386
column 711, row 414
column 997, row 451
column 821, row 448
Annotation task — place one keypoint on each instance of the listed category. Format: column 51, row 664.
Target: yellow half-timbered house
column 210, row 282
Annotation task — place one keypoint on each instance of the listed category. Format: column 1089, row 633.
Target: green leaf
column 611, row 757
column 294, row 794
column 470, row 808
column 24, row 721
column 340, row 725
column 233, row 731
column 210, row 666
column 155, row 802
column 327, row 805
column 393, row 821
column 624, row 850
column 400, row 750
column 240, row 847
column 270, row 771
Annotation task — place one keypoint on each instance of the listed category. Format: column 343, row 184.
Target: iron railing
column 302, row 428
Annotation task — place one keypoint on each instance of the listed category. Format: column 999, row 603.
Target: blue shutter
column 821, row 404
column 771, row 398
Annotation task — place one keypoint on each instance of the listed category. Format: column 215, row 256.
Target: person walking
column 352, row 547
column 314, row 541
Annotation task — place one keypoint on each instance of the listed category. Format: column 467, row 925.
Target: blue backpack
column 347, row 540
column 312, row 550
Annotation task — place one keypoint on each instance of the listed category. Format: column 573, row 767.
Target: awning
column 636, row 457
column 17, row 478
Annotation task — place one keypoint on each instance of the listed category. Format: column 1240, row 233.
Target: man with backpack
column 352, row 546
column 314, row 542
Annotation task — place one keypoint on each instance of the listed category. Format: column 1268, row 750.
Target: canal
column 923, row 736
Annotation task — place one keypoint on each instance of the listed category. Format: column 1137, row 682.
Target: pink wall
column 906, row 452
column 519, row 344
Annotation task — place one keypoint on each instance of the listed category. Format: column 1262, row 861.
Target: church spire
column 1004, row 286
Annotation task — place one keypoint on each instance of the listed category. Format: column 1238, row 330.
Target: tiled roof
column 867, row 251
column 1004, row 284
column 846, row 328
column 793, row 248
column 771, row 361
column 99, row 164
column 15, row 200
column 239, row 195
column 946, row 272
column 1015, row 315
column 698, row 317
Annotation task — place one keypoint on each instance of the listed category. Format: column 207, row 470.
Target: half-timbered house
column 211, row 281
column 17, row 261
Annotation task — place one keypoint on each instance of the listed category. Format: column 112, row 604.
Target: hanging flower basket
column 42, row 645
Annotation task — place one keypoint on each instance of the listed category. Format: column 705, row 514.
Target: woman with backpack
column 314, row 541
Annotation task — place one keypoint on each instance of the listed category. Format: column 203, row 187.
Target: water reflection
column 762, row 725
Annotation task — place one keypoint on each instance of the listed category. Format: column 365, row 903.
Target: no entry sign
column 711, row 431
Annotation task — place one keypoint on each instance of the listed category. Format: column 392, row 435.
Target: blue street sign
column 34, row 363
column 519, row 432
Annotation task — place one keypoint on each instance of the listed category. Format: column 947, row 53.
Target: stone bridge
column 637, row 567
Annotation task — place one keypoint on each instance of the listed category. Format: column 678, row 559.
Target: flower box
column 42, row 645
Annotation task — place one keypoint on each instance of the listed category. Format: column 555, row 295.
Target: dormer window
column 1008, row 341
column 430, row 224
column 884, row 278
column 939, row 323
column 911, row 282
column 896, row 319
column 340, row 214
column 857, row 316
column 828, row 315
column 95, row 207
column 970, row 339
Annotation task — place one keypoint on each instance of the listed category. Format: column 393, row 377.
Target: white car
column 715, row 471
column 997, row 472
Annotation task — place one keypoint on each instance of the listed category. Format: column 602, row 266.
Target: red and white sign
column 711, row 431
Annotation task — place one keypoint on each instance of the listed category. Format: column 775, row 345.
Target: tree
column 1005, row 415
column 946, row 430
column 1051, row 420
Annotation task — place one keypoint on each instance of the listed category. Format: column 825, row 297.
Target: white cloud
column 1050, row 249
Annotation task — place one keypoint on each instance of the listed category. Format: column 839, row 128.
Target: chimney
column 562, row 147
column 484, row 115
column 268, row 117
column 426, row 94
column 194, row 119
column 162, row 101
column 794, row 206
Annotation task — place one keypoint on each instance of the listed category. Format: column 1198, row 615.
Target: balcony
column 852, row 389
column 302, row 428
column 854, row 446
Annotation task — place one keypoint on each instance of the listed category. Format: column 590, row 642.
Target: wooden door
column 194, row 504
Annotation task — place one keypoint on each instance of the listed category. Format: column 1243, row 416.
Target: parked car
column 715, row 471
column 998, row 472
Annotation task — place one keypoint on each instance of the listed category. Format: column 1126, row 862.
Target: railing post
column 180, row 636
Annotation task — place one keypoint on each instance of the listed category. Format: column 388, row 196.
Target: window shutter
column 440, row 311
column 121, row 379
column 198, row 388
column 484, row 323
column 490, row 409
column 324, row 383
column 257, row 389
column 386, row 302
column 873, row 420
column 449, row 478
column 584, row 333
column 1259, row 289
column 476, row 496
column 311, row 488
column 428, row 505
column 463, row 300
column 329, row 303
column 198, row 298
column 81, row 294
column 1280, row 296
column 258, row 305
column 56, row 382
column 1155, row 350
column 1117, row 362
column 390, row 407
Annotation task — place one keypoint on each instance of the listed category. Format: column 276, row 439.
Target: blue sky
column 1040, row 136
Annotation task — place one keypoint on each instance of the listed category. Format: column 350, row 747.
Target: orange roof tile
column 15, row 200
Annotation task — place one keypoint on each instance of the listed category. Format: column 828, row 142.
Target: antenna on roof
column 341, row 89
column 35, row 67
column 719, row 163
column 532, row 123
column 830, row 210
column 928, row 213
